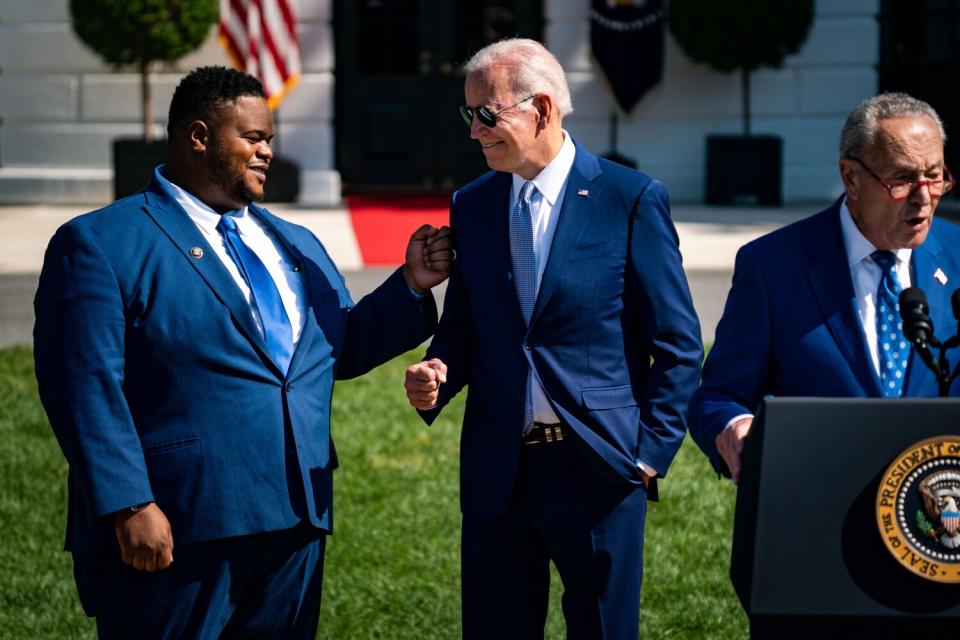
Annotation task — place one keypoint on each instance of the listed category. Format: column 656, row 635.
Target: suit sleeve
column 79, row 355
column 669, row 324
column 736, row 371
column 384, row 324
column 453, row 342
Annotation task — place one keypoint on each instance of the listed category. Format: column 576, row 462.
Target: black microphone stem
column 944, row 379
column 918, row 328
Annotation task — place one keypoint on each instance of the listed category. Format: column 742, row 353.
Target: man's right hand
column 423, row 382
column 730, row 445
column 146, row 541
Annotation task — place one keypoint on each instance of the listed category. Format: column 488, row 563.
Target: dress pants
column 561, row 510
column 265, row 585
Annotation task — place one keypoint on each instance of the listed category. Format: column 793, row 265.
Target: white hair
column 531, row 69
column 860, row 130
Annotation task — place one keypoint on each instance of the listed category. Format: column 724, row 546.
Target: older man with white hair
column 813, row 309
column 569, row 319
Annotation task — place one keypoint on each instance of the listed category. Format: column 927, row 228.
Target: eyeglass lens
column 902, row 190
column 936, row 187
column 486, row 118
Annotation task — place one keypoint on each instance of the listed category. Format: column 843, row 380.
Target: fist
column 145, row 538
column 423, row 382
column 429, row 256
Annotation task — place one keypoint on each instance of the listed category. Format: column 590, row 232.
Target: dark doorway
column 920, row 55
column 398, row 86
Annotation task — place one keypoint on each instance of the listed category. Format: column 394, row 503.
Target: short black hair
column 202, row 91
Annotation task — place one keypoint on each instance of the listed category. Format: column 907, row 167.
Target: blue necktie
column 893, row 348
column 266, row 297
column 524, row 274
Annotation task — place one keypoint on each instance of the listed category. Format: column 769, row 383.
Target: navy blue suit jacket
column 790, row 326
column 158, row 385
column 614, row 337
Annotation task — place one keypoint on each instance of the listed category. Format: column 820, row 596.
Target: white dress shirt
column 259, row 239
column 546, row 203
column 866, row 275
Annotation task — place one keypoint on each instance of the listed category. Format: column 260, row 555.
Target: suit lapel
column 926, row 262
column 572, row 218
column 177, row 225
column 830, row 281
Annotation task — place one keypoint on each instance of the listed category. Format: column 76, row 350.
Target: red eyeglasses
column 902, row 190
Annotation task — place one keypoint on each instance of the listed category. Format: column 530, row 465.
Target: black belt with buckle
column 545, row 433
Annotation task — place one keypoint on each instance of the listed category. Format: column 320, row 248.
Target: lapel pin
column 196, row 252
column 940, row 276
column 583, row 192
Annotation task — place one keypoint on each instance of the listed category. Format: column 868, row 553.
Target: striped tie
column 524, row 274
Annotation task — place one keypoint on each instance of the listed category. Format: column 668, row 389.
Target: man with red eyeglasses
column 812, row 310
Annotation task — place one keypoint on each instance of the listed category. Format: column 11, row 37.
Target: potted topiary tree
column 140, row 33
column 742, row 35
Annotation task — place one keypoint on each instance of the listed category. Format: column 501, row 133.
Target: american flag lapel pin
column 940, row 276
column 583, row 192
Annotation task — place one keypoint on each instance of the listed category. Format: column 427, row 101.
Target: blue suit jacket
column 158, row 385
column 613, row 338
column 790, row 326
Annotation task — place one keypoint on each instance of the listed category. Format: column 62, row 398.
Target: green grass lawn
column 393, row 564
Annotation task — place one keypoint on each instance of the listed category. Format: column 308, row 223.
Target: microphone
column 915, row 312
column 918, row 329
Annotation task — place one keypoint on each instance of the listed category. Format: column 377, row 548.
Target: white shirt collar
column 550, row 181
column 198, row 210
column 858, row 247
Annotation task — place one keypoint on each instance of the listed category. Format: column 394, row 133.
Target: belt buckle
column 551, row 433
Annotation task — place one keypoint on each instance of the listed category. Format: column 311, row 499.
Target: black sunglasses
column 487, row 118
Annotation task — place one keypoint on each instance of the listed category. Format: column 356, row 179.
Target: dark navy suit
column 159, row 387
column 615, row 342
column 790, row 326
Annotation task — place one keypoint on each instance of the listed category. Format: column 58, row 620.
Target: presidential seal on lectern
column 917, row 508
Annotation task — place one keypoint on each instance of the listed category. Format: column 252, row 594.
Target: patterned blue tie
column 524, row 274
column 893, row 348
column 263, row 290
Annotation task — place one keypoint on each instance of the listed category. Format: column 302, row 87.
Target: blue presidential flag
column 627, row 41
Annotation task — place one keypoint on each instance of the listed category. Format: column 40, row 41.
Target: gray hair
column 532, row 69
column 860, row 130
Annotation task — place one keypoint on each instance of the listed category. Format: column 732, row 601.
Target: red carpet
column 383, row 224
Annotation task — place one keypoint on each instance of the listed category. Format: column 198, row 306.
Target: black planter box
column 741, row 166
column 133, row 163
column 283, row 180
column 619, row 158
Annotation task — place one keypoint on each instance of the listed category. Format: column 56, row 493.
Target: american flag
column 261, row 37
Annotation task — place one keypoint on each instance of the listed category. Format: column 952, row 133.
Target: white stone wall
column 805, row 102
column 60, row 106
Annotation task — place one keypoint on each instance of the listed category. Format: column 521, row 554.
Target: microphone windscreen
column 913, row 298
column 917, row 324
